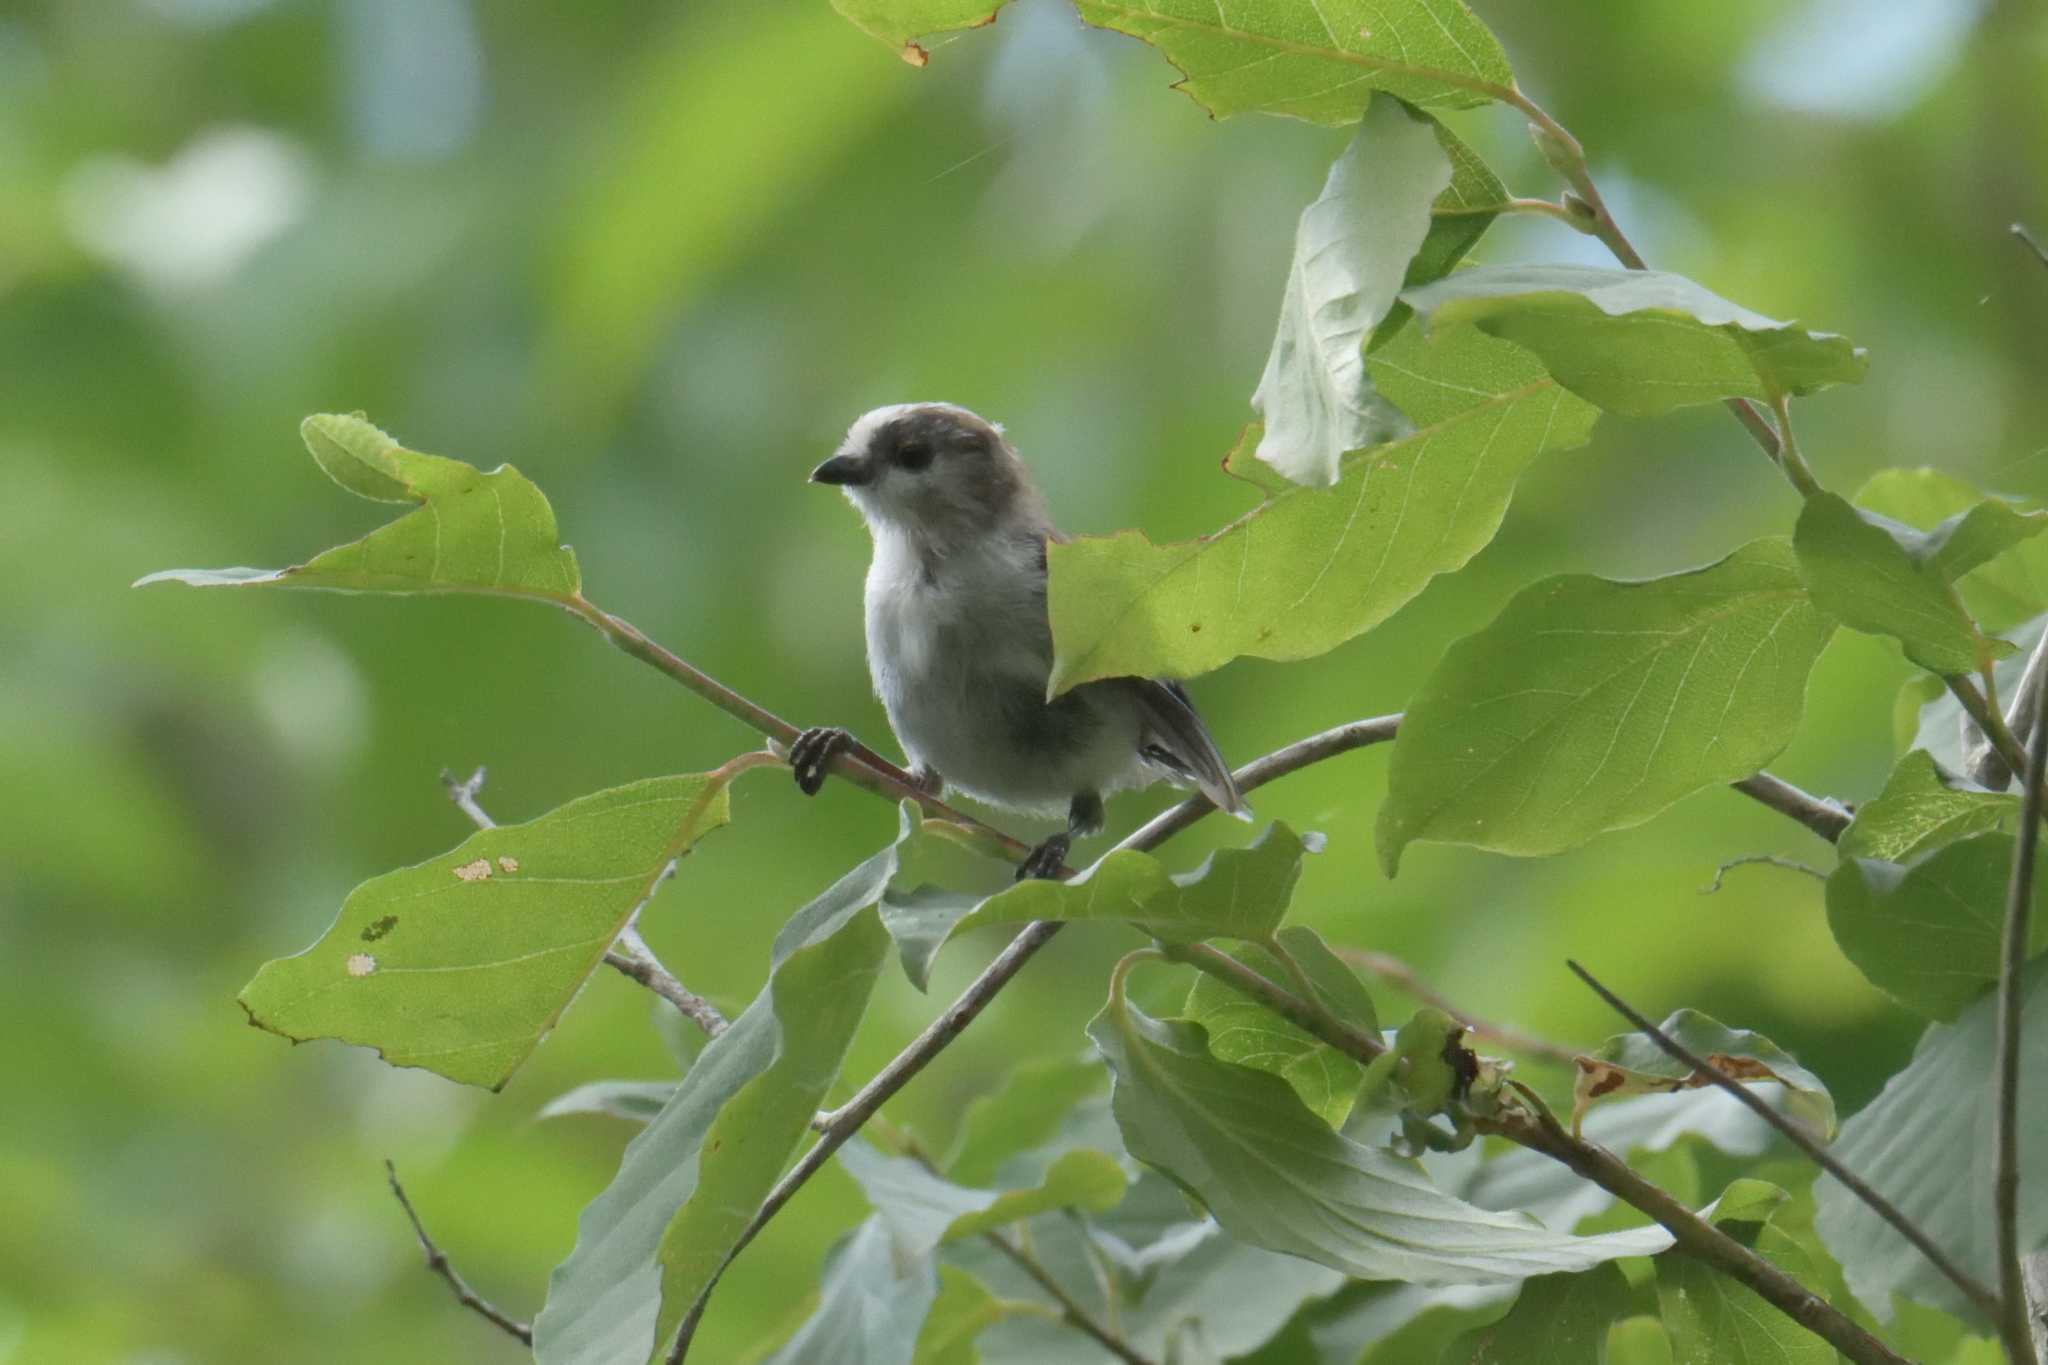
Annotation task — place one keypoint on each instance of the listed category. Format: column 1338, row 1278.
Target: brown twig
column 1071, row 1310
column 1977, row 1293
column 1390, row 968
column 437, row 1261
column 630, row 956
column 2005, row 1118
column 1824, row 817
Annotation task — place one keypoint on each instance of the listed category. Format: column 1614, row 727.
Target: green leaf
column 1319, row 60
column 1885, row 579
column 1352, row 250
column 1557, row 1320
column 1244, row 1032
column 927, row 1211
column 2013, row 585
column 1633, row 1064
column 872, row 1307
column 963, row 1310
column 648, row 1245
column 1591, row 705
column 1336, row 985
column 896, row 22
column 1928, row 935
column 472, row 532
column 1309, row 569
column 1637, row 341
column 463, row 963
column 1034, row 1101
column 1920, row 809
column 1714, row 1320
column 634, row 1101
column 1235, row 893
column 1924, row 1144
column 1274, row 1175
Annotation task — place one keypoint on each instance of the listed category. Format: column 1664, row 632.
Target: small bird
column 960, row 646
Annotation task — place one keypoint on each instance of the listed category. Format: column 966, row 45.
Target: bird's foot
column 810, row 751
column 1045, row 861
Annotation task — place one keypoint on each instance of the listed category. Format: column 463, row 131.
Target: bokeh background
column 658, row 256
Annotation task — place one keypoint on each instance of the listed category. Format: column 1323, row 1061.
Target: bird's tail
column 1177, row 739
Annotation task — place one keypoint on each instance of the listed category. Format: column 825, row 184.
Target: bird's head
column 934, row 471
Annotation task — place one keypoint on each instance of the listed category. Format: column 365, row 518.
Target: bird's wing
column 1175, row 737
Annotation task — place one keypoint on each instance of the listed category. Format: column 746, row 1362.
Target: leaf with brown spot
column 1633, row 1064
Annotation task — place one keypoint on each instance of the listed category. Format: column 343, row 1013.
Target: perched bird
column 960, row 646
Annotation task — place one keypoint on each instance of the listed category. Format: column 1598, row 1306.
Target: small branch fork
column 437, row 1261
column 630, row 956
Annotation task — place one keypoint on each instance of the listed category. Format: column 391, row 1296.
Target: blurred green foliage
column 657, row 257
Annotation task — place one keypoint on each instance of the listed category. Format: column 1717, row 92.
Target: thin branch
column 1389, row 968
column 631, row 956
column 1982, row 763
column 839, row 1125
column 1987, row 720
column 2005, row 1119
column 1977, row 1293
column 2028, row 240
column 1070, row 1309
column 437, row 1261
column 464, row 793
column 1751, row 860
column 1825, row 817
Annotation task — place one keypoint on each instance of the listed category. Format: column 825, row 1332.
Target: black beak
column 850, row 470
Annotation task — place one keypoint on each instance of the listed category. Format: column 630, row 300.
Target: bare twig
column 1823, row 816
column 631, row 957
column 1070, row 1309
column 2030, row 242
column 464, row 793
column 1389, row 968
column 1977, row 1293
column 437, row 1261
column 2005, row 1118
column 842, row 1123
column 1982, row 762
column 1752, row 859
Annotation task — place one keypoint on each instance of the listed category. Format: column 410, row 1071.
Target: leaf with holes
column 1928, row 934
column 1308, row 569
column 1234, row 893
column 1590, row 705
column 649, row 1246
column 1319, row 60
column 1637, row 341
column 1633, row 1064
column 471, row 532
column 1883, row 578
column 463, row 963
column 1352, row 250
column 1276, row 1176
column 1920, row 809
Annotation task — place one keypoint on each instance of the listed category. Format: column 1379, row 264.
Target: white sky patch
column 194, row 220
column 1858, row 59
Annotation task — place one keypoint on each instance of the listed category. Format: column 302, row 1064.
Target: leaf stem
column 1978, row 1294
column 1788, row 457
column 2005, row 1183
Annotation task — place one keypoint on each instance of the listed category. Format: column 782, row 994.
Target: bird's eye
column 914, row 455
